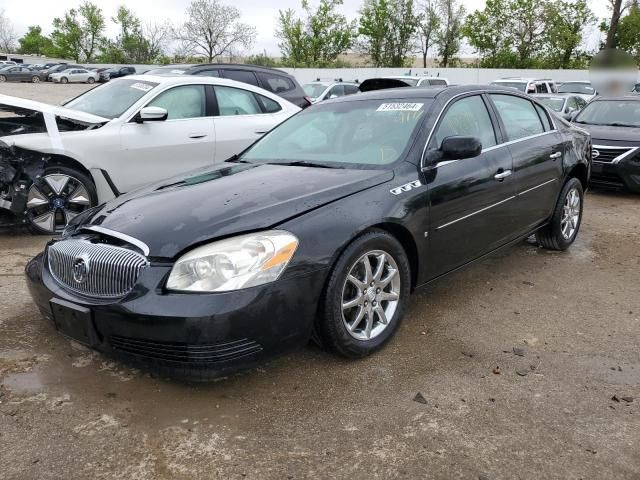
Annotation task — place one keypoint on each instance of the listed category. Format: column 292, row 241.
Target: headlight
column 234, row 263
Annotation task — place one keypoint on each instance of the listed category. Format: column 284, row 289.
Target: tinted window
column 276, row 83
column 467, row 117
column 268, row 105
column 622, row 113
column 541, row 88
column 571, row 103
column 518, row 115
column 235, row 101
column 186, row 101
column 350, row 89
column 577, row 87
column 434, row 81
column 337, row 91
column 208, row 73
column 365, row 134
column 544, row 117
column 241, row 76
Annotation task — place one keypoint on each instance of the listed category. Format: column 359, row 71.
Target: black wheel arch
column 64, row 161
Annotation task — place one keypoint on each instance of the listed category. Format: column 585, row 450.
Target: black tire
column 35, row 79
column 3, row 78
column 551, row 236
column 331, row 326
column 91, row 80
column 64, row 80
column 75, row 175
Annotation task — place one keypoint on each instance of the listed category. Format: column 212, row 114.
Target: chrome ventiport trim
column 95, row 269
column 122, row 236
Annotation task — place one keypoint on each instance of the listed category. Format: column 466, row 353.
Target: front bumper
column 186, row 335
column 623, row 174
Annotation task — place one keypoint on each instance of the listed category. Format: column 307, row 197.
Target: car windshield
column 577, row 87
column 520, row 86
column 620, row 113
column 112, row 99
column 357, row 134
column 554, row 103
column 314, row 90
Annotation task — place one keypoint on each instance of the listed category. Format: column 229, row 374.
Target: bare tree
column 157, row 36
column 8, row 35
column 429, row 22
column 213, row 29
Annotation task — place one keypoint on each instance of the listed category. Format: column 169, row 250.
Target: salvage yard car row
column 191, row 209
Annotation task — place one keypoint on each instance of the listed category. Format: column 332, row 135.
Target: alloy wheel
column 35, row 79
column 570, row 214
column 55, row 200
column 370, row 295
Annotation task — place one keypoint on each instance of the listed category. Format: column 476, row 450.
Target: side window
column 544, row 117
column 243, row 76
column 337, row 91
column 518, row 115
column 541, row 88
column 268, row 105
column 581, row 102
column 276, row 83
column 208, row 73
column 468, row 117
column 572, row 104
column 235, row 101
column 351, row 89
column 186, row 101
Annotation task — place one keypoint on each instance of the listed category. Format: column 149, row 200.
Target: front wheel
column 563, row 228
column 366, row 295
column 57, row 197
column 3, row 78
column 64, row 80
column 35, row 79
column 91, row 80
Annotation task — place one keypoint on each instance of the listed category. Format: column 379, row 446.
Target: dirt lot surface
column 528, row 363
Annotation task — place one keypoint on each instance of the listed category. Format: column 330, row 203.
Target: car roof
column 632, row 97
column 239, row 66
column 444, row 93
column 555, row 95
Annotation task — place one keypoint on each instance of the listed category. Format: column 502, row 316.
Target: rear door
column 471, row 200
column 537, row 150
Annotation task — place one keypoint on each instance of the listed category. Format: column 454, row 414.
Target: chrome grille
column 95, row 269
column 606, row 154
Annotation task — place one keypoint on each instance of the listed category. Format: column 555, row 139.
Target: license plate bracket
column 74, row 321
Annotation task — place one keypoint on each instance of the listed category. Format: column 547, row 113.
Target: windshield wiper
column 235, row 158
column 304, row 163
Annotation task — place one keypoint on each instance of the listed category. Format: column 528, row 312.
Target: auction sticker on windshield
column 142, row 86
column 399, row 107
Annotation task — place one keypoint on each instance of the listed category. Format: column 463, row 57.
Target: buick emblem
column 81, row 268
column 595, row 153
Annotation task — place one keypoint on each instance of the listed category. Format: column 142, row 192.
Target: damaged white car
column 56, row 162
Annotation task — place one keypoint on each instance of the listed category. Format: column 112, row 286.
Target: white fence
column 454, row 75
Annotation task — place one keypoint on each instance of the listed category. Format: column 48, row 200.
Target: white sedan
column 75, row 75
column 130, row 132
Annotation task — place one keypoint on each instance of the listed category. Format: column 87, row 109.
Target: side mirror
column 460, row 147
column 151, row 114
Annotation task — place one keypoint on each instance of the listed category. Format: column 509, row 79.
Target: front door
column 158, row 150
column 471, row 200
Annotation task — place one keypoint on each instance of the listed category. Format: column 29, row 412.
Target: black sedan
column 614, row 125
column 323, row 227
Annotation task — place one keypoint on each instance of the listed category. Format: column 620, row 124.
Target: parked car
column 614, row 124
column 422, row 80
column 582, row 88
column 566, row 105
column 18, row 74
column 75, row 75
column 323, row 90
column 103, row 74
column 527, row 85
column 60, row 67
column 7, row 63
column 271, row 79
column 320, row 226
column 126, row 133
column 118, row 72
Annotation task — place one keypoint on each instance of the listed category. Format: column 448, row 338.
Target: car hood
column 606, row 135
column 225, row 200
column 24, row 106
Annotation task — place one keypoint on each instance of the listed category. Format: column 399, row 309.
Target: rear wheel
column 64, row 80
column 57, row 197
column 35, row 79
column 366, row 296
column 91, row 80
column 563, row 228
column 3, row 78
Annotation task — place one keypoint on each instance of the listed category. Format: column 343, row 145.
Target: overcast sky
column 260, row 13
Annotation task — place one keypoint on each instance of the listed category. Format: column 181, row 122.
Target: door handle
column 500, row 176
column 261, row 132
column 197, row 135
column 553, row 156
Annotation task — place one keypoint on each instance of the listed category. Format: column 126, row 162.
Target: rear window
column 212, row 72
column 243, row 76
column 276, row 83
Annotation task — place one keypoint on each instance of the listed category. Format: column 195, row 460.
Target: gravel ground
column 518, row 359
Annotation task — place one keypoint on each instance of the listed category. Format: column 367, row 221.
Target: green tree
column 33, row 42
column 485, row 31
column 449, row 35
column 565, row 24
column 387, row 30
column 318, row 41
column 263, row 60
column 628, row 34
column 618, row 8
column 428, row 25
column 78, row 34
